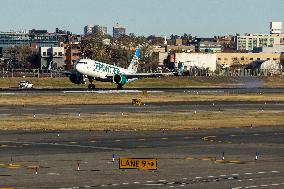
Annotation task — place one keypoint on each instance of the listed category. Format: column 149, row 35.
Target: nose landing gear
column 91, row 85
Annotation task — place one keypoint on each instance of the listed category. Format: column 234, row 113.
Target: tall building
column 89, row 29
column 100, row 29
column 249, row 42
column 118, row 31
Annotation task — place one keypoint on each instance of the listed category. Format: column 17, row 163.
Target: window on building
column 242, row 58
column 44, row 53
column 60, row 53
column 219, row 58
column 268, row 59
column 274, row 58
column 251, row 58
column 55, row 54
column 258, row 58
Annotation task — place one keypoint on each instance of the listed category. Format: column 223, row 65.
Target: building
column 234, row 59
column 209, row 46
column 100, row 29
column 196, row 60
column 275, row 27
column 89, row 29
column 158, row 48
column 41, row 38
column 181, row 48
column 73, row 52
column 249, row 42
column 118, row 31
column 54, row 55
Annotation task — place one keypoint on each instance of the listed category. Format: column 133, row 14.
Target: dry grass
column 180, row 82
column 62, row 99
column 144, row 121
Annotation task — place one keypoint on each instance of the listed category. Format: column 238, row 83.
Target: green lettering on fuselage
column 101, row 67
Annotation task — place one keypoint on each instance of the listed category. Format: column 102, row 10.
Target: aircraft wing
column 67, row 73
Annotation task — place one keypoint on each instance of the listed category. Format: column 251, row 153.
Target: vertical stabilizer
column 135, row 61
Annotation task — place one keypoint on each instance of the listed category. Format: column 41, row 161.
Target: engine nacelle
column 77, row 78
column 120, row 79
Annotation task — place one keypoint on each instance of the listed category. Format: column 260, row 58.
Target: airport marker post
column 256, row 155
column 78, row 166
column 223, row 156
column 112, row 157
column 36, row 170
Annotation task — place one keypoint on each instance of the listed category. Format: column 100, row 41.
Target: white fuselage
column 98, row 70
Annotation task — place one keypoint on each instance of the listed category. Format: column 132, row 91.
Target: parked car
column 25, row 85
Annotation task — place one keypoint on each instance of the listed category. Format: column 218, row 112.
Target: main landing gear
column 119, row 87
column 91, row 85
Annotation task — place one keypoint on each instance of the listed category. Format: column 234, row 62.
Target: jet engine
column 77, row 78
column 120, row 79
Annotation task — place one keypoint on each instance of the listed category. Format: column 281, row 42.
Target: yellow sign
column 136, row 102
column 138, row 163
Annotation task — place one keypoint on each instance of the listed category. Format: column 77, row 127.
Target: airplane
column 98, row 71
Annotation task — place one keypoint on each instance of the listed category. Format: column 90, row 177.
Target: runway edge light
column 256, row 155
column 223, row 155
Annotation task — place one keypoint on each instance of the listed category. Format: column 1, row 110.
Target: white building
column 54, row 54
column 250, row 41
column 275, row 27
column 199, row 60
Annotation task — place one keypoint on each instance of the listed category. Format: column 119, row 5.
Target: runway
column 186, row 159
column 174, row 107
column 139, row 90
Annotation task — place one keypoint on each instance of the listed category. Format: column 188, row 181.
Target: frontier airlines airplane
column 98, row 71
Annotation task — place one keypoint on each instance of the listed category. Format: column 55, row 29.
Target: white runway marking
column 7, row 93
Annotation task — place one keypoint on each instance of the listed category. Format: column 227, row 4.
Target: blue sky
column 160, row 17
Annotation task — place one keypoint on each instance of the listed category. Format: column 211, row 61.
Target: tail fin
column 134, row 62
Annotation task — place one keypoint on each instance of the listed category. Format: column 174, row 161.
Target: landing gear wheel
column 119, row 87
column 91, row 86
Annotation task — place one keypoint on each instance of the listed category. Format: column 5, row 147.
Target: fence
column 29, row 73
column 4, row 73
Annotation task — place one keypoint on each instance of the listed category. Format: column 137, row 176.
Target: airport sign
column 138, row 163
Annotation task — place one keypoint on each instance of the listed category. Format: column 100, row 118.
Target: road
column 186, row 159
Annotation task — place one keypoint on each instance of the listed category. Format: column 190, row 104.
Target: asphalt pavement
column 203, row 90
column 186, row 159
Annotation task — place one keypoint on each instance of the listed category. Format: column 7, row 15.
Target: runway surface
column 174, row 107
column 138, row 90
column 186, row 159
